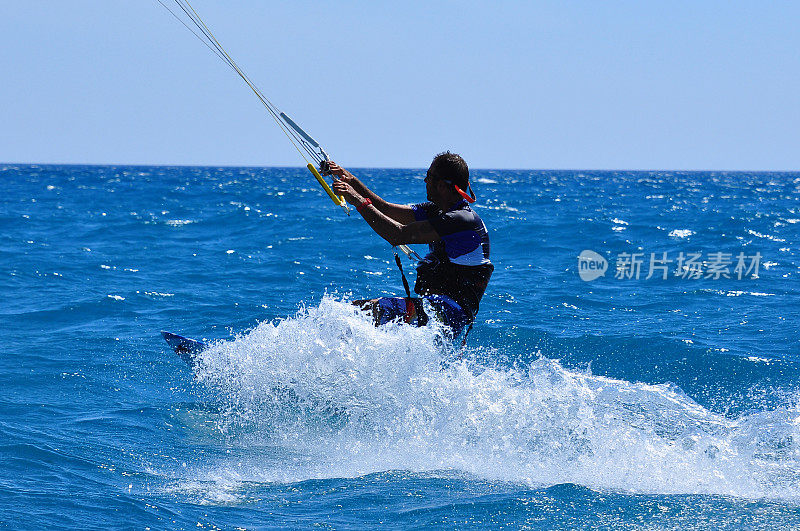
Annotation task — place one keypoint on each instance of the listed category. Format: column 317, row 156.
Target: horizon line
column 282, row 166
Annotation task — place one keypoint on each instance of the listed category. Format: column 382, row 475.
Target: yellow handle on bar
column 335, row 198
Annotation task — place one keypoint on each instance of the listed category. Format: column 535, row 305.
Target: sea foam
column 325, row 394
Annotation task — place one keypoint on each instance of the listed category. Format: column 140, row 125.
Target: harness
column 414, row 304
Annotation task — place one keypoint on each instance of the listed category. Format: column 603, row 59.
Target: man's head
column 447, row 177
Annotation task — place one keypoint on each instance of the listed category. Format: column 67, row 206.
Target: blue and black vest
column 458, row 265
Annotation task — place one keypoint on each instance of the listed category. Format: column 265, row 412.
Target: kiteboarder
column 453, row 276
column 451, row 279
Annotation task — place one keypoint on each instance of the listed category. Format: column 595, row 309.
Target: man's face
column 430, row 185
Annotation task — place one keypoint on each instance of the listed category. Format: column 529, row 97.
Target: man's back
column 458, row 265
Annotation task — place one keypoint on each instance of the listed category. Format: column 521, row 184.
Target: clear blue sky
column 561, row 84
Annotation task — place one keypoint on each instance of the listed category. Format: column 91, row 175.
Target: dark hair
column 451, row 167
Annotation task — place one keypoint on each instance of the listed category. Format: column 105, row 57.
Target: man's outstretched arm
column 399, row 213
column 394, row 232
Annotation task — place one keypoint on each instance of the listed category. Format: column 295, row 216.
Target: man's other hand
column 344, row 189
column 341, row 173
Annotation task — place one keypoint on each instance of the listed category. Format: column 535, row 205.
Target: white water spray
column 325, row 394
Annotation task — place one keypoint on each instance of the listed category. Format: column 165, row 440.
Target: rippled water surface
column 617, row 402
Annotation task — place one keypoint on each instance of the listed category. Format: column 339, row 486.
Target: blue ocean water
column 616, row 402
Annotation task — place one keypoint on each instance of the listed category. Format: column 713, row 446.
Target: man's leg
column 370, row 306
column 386, row 309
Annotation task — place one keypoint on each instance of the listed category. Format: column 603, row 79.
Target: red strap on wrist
column 365, row 203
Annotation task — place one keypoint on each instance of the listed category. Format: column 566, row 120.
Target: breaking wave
column 325, row 394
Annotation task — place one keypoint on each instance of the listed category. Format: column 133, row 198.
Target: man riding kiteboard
column 453, row 276
column 451, row 279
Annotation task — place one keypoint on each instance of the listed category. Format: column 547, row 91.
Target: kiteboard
column 184, row 347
